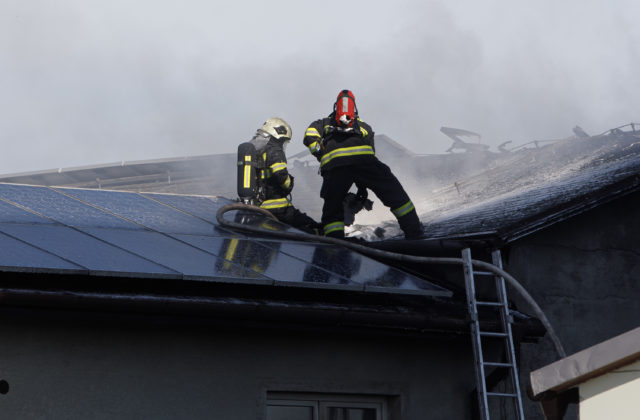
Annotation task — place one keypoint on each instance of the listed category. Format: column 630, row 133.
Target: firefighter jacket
column 334, row 146
column 276, row 179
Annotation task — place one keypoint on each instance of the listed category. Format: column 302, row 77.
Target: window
column 289, row 406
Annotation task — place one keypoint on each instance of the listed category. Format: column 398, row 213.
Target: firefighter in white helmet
column 276, row 182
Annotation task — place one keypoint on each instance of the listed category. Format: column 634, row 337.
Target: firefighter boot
column 411, row 226
column 334, row 229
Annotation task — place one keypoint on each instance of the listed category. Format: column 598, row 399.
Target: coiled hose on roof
column 301, row 236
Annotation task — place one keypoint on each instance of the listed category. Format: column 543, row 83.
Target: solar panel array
column 149, row 235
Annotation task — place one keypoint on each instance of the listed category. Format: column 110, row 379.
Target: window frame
column 294, row 403
column 324, row 407
column 322, row 402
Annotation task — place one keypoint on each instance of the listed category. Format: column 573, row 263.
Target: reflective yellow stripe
column 333, row 227
column 247, row 172
column 346, row 151
column 314, row 147
column 278, row 166
column 269, row 225
column 403, row 210
column 287, row 182
column 231, row 249
column 276, row 203
column 365, row 133
column 312, row 132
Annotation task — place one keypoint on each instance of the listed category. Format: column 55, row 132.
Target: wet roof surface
column 163, row 236
column 530, row 189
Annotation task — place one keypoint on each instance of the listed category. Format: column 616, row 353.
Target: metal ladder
column 505, row 335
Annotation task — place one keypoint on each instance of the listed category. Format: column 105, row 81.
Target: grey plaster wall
column 585, row 274
column 103, row 371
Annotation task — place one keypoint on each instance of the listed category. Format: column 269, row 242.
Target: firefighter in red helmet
column 344, row 146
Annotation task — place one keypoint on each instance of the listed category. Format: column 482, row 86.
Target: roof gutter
column 248, row 312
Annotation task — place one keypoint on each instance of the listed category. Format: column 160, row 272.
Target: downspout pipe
column 302, row 236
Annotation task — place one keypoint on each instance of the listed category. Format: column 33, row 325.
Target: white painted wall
column 614, row 395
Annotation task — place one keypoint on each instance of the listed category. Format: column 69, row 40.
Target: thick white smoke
column 89, row 82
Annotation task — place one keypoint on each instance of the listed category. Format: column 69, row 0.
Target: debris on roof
column 533, row 188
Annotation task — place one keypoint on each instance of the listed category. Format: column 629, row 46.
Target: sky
column 88, row 82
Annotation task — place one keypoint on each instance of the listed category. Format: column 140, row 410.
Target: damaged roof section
column 533, row 188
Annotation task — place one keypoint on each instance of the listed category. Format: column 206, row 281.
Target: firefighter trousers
column 297, row 219
column 377, row 177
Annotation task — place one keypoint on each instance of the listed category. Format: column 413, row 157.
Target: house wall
column 104, row 370
column 612, row 395
column 584, row 273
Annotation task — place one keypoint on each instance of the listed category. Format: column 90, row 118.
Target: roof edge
column 360, row 318
column 588, row 363
column 621, row 189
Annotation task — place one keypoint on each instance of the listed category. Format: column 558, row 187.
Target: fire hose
column 302, row 236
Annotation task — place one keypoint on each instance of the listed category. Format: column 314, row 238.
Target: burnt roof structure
column 530, row 189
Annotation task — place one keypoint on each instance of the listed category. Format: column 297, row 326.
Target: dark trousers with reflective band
column 297, row 219
column 375, row 176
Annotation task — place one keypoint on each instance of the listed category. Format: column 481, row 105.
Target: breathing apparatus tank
column 248, row 174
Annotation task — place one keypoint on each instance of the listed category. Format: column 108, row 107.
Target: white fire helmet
column 277, row 128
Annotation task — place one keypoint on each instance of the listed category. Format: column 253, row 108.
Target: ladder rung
column 483, row 273
column 497, row 364
column 484, row 303
column 494, row 334
column 500, row 394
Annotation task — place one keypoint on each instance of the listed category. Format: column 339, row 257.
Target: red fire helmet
column 345, row 108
